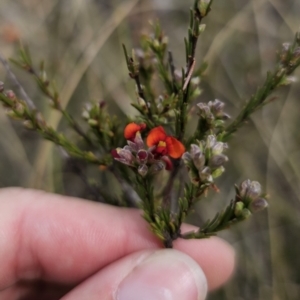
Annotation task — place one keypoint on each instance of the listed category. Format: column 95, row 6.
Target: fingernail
column 164, row 275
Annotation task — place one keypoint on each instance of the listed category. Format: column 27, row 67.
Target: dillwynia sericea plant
column 148, row 154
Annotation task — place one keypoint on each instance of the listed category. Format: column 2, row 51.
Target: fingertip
column 215, row 256
column 151, row 274
column 165, row 274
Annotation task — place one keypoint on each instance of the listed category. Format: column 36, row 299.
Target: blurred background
column 80, row 42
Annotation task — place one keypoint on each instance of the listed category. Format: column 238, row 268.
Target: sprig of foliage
column 289, row 60
column 32, row 119
column 48, row 88
column 249, row 199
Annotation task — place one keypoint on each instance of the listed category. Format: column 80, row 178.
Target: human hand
column 56, row 247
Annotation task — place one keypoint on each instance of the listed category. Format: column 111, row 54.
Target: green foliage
column 288, row 61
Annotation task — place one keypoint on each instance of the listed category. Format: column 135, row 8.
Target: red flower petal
column 175, row 147
column 142, row 155
column 162, row 150
column 131, row 129
column 156, row 135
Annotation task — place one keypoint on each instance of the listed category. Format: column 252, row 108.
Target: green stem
column 272, row 82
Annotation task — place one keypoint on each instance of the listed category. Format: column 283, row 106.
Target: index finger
column 65, row 239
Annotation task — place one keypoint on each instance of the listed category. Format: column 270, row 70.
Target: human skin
column 57, row 247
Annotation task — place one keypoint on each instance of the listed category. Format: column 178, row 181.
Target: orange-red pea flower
column 132, row 129
column 165, row 145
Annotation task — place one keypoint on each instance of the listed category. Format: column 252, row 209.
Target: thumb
column 159, row 274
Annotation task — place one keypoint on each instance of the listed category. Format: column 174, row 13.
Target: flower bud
column 245, row 213
column 217, row 108
column 218, row 160
column 205, row 112
column 219, row 123
column 201, row 106
column 254, row 190
column 195, row 149
column 238, row 209
column 157, row 167
column 10, row 94
column 199, row 160
column 19, row 108
column 142, row 102
column 243, row 188
column 202, row 28
column 133, row 146
column 203, row 6
column 93, row 122
column 286, row 47
column 186, row 157
column 142, row 155
column 210, row 141
column 258, row 205
column 216, row 105
column 138, row 140
column 197, row 156
column 127, row 148
column 205, row 175
column 218, row 172
column 143, row 170
column 28, row 124
column 126, row 155
column 219, row 147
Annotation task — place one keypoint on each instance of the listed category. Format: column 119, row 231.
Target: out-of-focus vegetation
column 80, row 42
